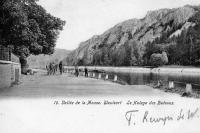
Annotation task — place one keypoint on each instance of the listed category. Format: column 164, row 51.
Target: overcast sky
column 85, row 18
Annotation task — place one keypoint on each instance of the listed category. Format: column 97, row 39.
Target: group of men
column 52, row 68
column 77, row 71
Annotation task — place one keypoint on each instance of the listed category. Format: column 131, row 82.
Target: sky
column 85, row 18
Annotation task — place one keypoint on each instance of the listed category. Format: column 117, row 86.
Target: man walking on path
column 76, row 71
column 60, row 67
column 47, row 68
column 50, row 68
column 86, row 72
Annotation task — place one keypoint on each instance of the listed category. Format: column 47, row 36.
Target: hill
column 40, row 61
column 129, row 43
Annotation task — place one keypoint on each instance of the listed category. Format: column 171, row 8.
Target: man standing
column 86, row 72
column 47, row 67
column 76, row 71
column 60, row 67
column 50, row 68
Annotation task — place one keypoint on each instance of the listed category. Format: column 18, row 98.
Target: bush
column 159, row 59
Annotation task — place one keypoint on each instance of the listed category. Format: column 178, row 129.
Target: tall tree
column 28, row 28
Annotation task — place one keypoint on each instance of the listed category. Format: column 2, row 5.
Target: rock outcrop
column 141, row 31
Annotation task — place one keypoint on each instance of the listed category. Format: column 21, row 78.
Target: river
column 143, row 76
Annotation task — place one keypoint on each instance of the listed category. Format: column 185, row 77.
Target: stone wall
column 5, row 53
column 10, row 73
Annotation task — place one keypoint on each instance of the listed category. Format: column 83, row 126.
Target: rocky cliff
column 134, row 33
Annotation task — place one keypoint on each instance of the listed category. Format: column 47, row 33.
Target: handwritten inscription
column 135, row 116
column 189, row 114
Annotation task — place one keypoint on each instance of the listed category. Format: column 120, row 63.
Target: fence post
column 106, row 77
column 93, row 75
column 99, row 76
column 115, row 78
column 171, row 85
column 188, row 88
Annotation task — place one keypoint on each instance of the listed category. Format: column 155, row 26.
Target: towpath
column 67, row 85
column 30, row 107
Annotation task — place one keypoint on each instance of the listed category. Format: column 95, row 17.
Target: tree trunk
column 24, row 65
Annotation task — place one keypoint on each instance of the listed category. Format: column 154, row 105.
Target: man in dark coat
column 61, row 67
column 86, row 72
column 76, row 71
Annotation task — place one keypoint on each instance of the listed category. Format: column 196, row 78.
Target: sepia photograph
column 99, row 66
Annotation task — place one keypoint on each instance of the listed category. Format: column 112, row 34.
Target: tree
column 28, row 28
column 188, row 47
column 136, row 53
column 106, row 56
column 97, row 60
column 159, row 59
column 127, row 54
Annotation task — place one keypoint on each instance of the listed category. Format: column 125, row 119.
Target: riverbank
column 182, row 70
column 177, row 70
column 67, row 85
column 164, row 74
column 31, row 107
column 176, row 90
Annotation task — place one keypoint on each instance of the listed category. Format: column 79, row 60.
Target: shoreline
column 67, row 85
column 182, row 71
column 160, row 70
column 176, row 90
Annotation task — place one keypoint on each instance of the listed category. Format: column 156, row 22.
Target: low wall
column 10, row 73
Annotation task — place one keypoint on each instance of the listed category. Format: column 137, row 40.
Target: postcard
column 99, row 66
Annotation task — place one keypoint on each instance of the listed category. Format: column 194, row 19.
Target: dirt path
column 30, row 107
column 66, row 85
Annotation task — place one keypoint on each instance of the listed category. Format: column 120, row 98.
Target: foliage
column 28, row 28
column 124, row 55
column 183, row 49
column 159, row 59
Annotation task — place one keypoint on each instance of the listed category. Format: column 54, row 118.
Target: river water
column 149, row 78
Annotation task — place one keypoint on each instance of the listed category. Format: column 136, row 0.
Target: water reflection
column 144, row 78
column 180, row 80
column 147, row 78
